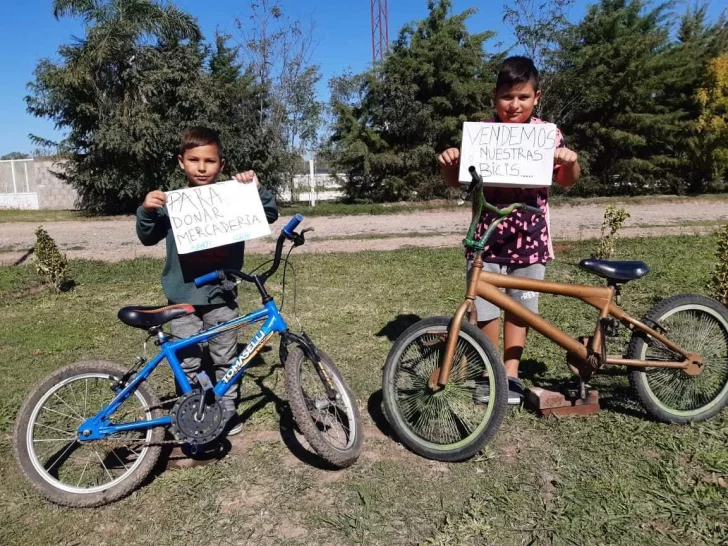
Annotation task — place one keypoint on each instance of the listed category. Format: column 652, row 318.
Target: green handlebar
column 469, row 242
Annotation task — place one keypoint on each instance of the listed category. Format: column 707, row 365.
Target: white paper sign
column 215, row 215
column 508, row 154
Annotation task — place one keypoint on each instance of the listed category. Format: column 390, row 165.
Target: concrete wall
column 39, row 189
column 52, row 192
column 45, row 191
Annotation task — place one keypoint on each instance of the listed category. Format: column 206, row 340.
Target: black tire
column 59, row 488
column 447, row 424
column 339, row 443
column 696, row 323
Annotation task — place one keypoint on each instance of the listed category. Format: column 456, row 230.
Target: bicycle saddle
column 146, row 317
column 615, row 271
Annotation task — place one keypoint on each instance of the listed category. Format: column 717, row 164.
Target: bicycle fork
column 438, row 381
column 310, row 351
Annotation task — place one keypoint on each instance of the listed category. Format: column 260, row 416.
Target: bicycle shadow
column 395, row 327
column 375, row 409
column 287, row 426
column 172, row 456
column 392, row 331
column 620, row 398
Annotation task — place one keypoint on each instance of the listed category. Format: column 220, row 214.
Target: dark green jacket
column 180, row 271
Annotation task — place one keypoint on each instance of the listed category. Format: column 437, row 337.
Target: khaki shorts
column 487, row 311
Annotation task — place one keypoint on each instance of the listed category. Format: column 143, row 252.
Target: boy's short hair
column 194, row 137
column 515, row 71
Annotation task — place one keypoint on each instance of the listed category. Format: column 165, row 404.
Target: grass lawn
column 613, row 478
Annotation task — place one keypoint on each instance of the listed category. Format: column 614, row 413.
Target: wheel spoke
column 78, row 484
column 78, row 468
column 448, row 415
column 103, row 465
column 119, row 459
column 80, row 420
column 62, row 455
column 52, row 428
column 68, row 438
column 66, row 404
column 697, row 330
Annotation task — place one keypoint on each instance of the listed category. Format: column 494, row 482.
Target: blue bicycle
column 93, row 431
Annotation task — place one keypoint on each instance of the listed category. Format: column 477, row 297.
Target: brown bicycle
column 677, row 355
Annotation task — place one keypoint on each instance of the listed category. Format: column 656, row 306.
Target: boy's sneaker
column 234, row 425
column 515, row 392
column 481, row 395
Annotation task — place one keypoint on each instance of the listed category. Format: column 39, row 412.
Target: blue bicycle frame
column 98, row 426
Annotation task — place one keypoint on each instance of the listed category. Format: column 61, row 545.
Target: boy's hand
column 565, row 157
column 154, row 200
column 449, row 159
column 247, row 177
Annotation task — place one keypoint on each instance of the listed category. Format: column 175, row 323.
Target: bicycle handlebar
column 286, row 233
column 477, row 182
column 476, row 185
column 208, row 278
column 291, row 225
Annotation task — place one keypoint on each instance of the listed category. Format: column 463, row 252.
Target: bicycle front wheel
column 84, row 474
column 454, row 422
column 332, row 427
column 697, row 324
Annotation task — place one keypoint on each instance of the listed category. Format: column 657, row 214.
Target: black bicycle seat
column 146, row 317
column 616, row 271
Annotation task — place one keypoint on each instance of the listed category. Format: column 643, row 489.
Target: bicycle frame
column 487, row 285
column 98, row 426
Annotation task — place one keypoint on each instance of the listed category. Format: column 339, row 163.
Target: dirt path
column 114, row 240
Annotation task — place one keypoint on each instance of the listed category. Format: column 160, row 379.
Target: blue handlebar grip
column 291, row 225
column 207, row 279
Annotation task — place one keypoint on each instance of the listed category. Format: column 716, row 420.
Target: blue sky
column 29, row 32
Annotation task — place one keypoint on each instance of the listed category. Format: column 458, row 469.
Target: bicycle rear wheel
column 84, row 474
column 698, row 324
column 332, row 427
column 451, row 423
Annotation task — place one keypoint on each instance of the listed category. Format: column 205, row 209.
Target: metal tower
column 380, row 30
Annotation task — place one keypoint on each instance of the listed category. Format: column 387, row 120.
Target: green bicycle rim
column 484, row 420
column 690, row 336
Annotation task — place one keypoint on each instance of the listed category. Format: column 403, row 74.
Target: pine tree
column 125, row 91
column 412, row 106
column 617, row 67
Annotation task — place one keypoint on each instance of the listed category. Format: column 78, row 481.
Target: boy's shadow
column 534, row 371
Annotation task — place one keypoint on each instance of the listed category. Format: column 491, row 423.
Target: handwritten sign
column 508, row 154
column 215, row 215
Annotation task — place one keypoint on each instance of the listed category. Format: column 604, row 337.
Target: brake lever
column 228, row 285
column 300, row 238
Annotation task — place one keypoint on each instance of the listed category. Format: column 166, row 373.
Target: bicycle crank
column 197, row 421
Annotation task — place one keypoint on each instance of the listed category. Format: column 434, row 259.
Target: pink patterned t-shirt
column 523, row 238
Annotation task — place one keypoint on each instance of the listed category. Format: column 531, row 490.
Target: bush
column 614, row 219
column 49, row 262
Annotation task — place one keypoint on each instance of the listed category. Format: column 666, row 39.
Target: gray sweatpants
column 487, row 311
column 222, row 348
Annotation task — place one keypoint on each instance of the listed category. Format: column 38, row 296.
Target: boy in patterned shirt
column 521, row 245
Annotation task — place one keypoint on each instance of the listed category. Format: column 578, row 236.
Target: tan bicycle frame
column 486, row 285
